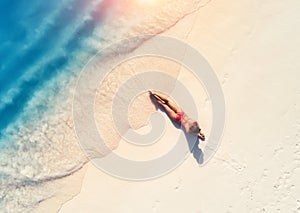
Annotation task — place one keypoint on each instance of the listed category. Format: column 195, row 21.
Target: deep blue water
column 37, row 42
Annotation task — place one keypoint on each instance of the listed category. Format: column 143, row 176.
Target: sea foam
column 38, row 142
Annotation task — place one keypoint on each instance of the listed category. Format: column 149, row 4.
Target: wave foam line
column 43, row 134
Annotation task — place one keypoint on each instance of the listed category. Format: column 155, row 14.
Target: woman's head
column 194, row 129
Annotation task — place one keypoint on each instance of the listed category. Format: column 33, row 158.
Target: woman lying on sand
column 177, row 114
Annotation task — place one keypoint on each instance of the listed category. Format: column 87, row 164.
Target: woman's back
column 188, row 122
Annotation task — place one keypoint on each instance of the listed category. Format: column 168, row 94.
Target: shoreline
column 240, row 40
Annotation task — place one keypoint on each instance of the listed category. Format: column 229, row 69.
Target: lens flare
column 148, row 2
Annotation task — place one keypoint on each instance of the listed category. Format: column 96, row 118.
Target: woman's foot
column 157, row 97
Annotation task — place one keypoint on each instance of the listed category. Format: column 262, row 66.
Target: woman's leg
column 170, row 103
column 168, row 110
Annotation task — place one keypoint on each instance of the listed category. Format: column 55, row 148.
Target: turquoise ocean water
column 43, row 47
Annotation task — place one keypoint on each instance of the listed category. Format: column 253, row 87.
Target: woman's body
column 178, row 115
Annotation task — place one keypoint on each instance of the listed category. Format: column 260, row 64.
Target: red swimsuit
column 179, row 116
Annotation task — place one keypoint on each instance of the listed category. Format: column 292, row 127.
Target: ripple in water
column 42, row 50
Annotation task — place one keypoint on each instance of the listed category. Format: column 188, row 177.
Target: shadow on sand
column 193, row 146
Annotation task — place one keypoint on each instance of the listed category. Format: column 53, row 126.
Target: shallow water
column 43, row 47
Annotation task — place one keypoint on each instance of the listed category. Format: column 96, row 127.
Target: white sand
column 253, row 47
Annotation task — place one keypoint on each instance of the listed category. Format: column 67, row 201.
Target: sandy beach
column 253, row 47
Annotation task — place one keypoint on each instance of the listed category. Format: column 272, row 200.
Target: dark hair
column 195, row 128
